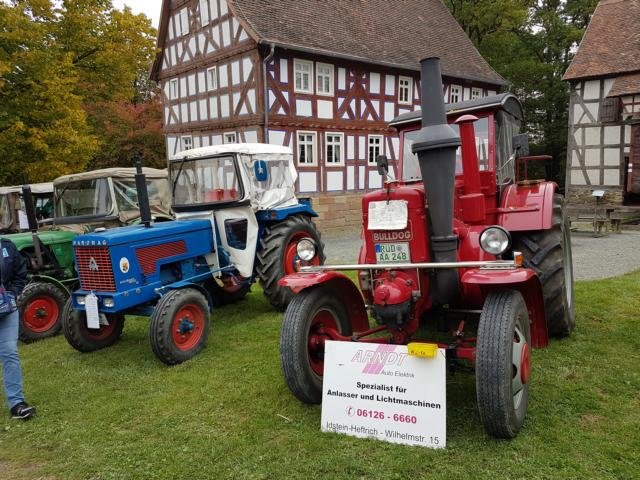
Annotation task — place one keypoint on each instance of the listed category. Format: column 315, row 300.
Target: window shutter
column 609, row 110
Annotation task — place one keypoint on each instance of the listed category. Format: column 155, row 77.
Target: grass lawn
column 121, row 414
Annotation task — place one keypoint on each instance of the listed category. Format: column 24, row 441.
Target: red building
column 323, row 77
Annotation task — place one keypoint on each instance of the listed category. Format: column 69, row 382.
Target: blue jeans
column 11, row 373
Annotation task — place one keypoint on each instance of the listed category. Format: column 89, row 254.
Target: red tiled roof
column 396, row 33
column 625, row 85
column 611, row 43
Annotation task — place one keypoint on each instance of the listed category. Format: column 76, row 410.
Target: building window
column 307, row 148
column 324, row 79
column 230, row 137
column 204, row 12
column 304, row 76
column 334, row 148
column 212, row 78
column 405, row 90
column 456, row 94
column 187, row 142
column 376, row 147
column 173, row 88
column 476, row 93
column 184, row 22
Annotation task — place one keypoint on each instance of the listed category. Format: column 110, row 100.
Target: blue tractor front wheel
column 179, row 326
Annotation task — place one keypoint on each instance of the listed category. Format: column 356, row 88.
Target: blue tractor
column 237, row 220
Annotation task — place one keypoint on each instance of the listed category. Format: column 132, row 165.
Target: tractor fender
column 54, row 281
column 527, row 206
column 477, row 283
column 341, row 287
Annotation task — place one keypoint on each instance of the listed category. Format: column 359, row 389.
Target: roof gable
column 396, row 33
column 611, row 43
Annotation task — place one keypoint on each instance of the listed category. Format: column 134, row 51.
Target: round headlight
column 495, row 240
column 306, row 249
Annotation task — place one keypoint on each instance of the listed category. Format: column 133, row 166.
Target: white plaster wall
column 334, row 181
column 303, row 108
column 307, row 182
column 592, row 89
column 374, row 82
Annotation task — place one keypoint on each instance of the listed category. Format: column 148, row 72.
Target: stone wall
column 338, row 213
column 581, row 195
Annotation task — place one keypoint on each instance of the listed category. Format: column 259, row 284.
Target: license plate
column 91, row 307
column 392, row 252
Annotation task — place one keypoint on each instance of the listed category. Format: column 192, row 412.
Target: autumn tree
column 43, row 127
column 71, row 93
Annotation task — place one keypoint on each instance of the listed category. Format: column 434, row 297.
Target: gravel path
column 593, row 257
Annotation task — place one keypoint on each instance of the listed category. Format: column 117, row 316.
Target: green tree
column 531, row 44
column 43, row 128
column 63, row 67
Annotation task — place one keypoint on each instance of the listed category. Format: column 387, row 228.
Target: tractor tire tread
column 160, row 327
column 73, row 333
column 543, row 252
column 494, row 404
column 270, row 264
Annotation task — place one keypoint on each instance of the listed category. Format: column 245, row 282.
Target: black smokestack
column 30, row 210
column 436, row 146
column 143, row 195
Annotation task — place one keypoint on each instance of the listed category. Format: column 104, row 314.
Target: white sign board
column 380, row 391
column 91, row 307
column 388, row 215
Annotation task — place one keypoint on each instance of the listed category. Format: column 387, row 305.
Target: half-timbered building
column 603, row 149
column 323, row 77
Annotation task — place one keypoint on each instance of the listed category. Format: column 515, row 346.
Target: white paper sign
column 91, row 307
column 391, row 215
column 380, row 391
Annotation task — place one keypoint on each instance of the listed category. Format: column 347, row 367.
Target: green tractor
column 84, row 202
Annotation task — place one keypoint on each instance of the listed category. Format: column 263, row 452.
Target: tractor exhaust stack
column 143, row 194
column 436, row 146
column 30, row 210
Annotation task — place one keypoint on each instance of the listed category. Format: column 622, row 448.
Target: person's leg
column 11, row 373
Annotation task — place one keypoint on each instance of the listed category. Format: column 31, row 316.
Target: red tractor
column 461, row 250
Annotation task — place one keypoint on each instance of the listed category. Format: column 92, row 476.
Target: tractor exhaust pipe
column 435, row 147
column 143, row 194
column 30, row 210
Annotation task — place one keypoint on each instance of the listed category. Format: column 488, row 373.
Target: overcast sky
column 151, row 8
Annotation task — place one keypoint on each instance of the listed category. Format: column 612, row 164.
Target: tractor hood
column 50, row 237
column 141, row 234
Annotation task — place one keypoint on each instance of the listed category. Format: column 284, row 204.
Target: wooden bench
column 599, row 217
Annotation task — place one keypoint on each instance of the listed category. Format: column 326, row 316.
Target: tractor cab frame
column 12, row 215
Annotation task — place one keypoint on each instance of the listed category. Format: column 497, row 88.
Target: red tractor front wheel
column 309, row 320
column 179, row 326
column 503, row 363
column 84, row 339
column 41, row 305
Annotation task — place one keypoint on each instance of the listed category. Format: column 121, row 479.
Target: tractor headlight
column 495, row 240
column 80, row 299
column 306, row 249
column 108, row 302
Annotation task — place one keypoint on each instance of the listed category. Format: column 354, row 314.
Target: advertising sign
column 380, row 391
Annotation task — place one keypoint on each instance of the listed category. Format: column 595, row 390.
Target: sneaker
column 22, row 411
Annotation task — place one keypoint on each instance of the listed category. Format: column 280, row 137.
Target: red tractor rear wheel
column 503, row 363
column 84, row 339
column 179, row 326
column 41, row 305
column 307, row 320
column 548, row 253
column 277, row 256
